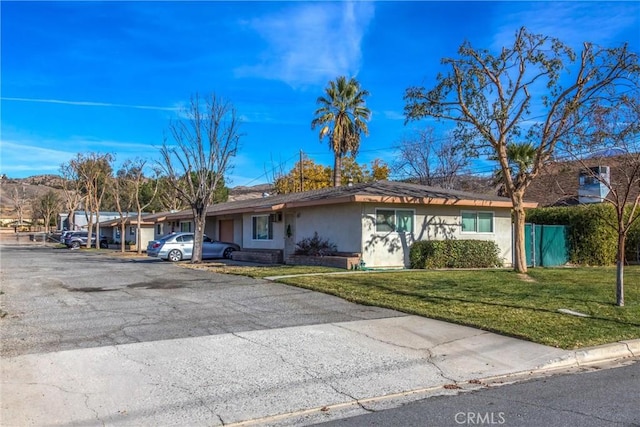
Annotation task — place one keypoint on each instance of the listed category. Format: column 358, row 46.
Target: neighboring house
column 379, row 220
column 81, row 219
column 151, row 226
column 568, row 183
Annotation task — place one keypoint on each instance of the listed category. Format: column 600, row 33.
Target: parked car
column 179, row 246
column 77, row 239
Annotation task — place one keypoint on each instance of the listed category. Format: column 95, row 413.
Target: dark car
column 79, row 238
column 178, row 246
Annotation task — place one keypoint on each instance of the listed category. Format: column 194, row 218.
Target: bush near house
column 454, row 254
column 315, row 246
column 592, row 239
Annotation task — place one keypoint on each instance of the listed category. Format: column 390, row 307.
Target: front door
column 289, row 235
column 226, row 230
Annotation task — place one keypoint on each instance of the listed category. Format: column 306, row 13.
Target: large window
column 390, row 220
column 477, row 222
column 185, row 227
column 262, row 227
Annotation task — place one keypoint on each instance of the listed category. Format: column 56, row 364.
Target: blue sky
column 109, row 76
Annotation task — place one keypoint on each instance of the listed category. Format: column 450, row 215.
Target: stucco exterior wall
column 391, row 249
column 340, row 224
column 352, row 228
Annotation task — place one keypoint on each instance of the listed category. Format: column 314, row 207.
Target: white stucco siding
column 391, row 249
column 340, row 224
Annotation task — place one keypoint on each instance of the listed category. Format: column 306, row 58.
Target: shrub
column 455, row 254
column 592, row 239
column 315, row 246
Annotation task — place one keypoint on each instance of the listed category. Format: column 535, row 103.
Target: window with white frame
column 158, row 229
column 477, row 222
column 394, row 220
column 262, row 227
column 185, row 227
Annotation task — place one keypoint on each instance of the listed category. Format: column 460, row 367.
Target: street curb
column 590, row 355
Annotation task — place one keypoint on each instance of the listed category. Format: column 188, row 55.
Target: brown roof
column 371, row 192
column 557, row 184
column 147, row 219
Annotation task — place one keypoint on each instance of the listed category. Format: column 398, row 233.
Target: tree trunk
column 519, row 250
column 138, row 233
column 98, row 228
column 200, row 217
column 337, row 170
column 123, row 229
column 620, row 270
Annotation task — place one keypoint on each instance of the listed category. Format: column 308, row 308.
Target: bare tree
column 72, row 196
column 45, row 207
column 136, row 176
column 195, row 164
column 20, row 201
column 123, row 198
column 491, row 100
column 612, row 133
column 430, row 160
column 94, row 174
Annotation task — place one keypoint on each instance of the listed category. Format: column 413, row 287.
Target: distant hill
column 28, row 189
column 32, row 187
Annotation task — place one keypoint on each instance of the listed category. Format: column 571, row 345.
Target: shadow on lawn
column 434, row 298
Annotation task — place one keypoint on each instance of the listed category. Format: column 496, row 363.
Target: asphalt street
column 593, row 398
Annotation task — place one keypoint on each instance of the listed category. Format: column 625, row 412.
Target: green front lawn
column 259, row 272
column 503, row 301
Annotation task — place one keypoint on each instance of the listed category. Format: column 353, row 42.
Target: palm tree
column 342, row 118
column 520, row 157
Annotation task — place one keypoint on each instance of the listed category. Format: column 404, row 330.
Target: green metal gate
column 546, row 245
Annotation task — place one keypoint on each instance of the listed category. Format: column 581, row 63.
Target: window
column 262, row 227
column 477, row 222
column 185, row 239
column 185, row 227
column 390, row 220
column 158, row 229
column 132, row 231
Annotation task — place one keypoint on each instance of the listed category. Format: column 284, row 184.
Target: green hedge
column 592, row 239
column 455, row 254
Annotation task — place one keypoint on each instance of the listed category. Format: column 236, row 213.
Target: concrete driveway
column 93, row 340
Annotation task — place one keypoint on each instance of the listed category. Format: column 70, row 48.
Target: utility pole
column 301, row 173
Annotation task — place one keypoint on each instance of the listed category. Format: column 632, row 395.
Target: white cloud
column 88, row 103
column 311, row 43
column 571, row 22
column 393, row 115
column 25, row 155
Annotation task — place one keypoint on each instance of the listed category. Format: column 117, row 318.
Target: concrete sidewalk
column 294, row 375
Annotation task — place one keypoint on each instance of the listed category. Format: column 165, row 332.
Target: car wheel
column 227, row 253
column 75, row 245
column 175, row 255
